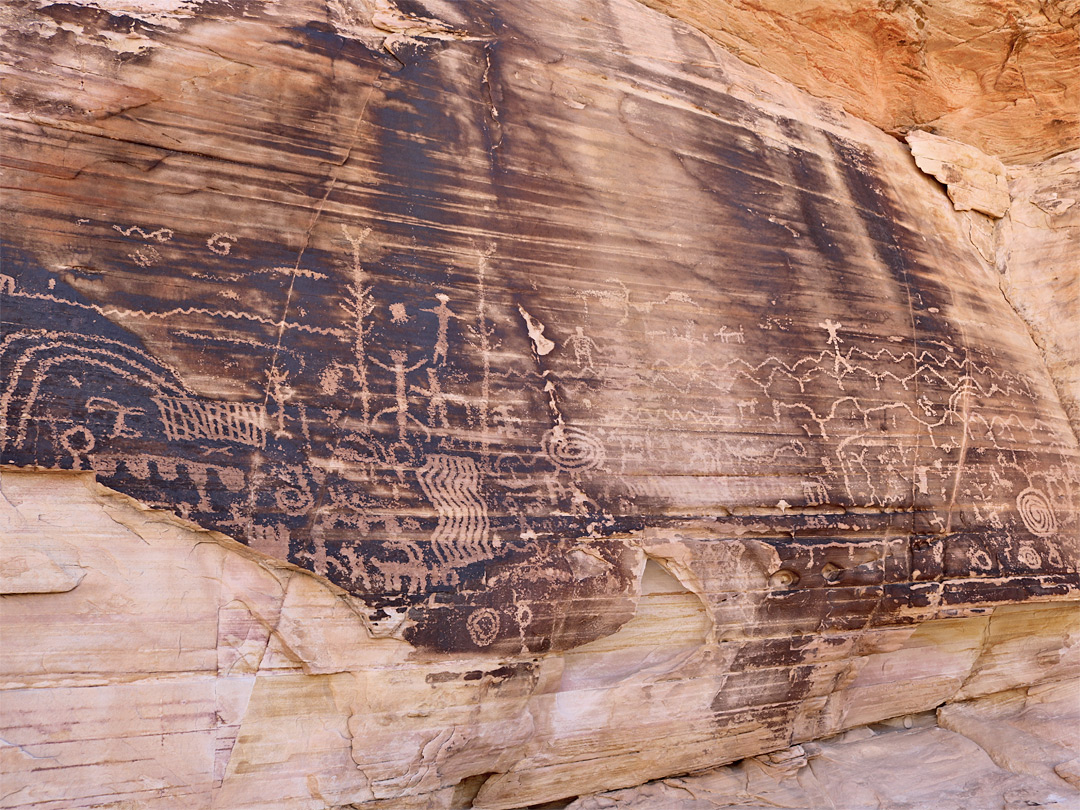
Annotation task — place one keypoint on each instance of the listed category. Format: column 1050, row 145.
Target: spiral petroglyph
column 483, row 626
column 1036, row 512
column 572, row 449
column 1029, row 558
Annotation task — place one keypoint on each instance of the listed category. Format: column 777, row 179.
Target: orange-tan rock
column 974, row 180
column 494, row 404
column 1003, row 77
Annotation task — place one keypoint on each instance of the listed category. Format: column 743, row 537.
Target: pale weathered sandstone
column 186, row 668
column 910, row 764
column 974, row 180
column 1001, row 76
column 492, row 403
column 1038, row 258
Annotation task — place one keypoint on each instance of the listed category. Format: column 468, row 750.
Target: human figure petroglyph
column 438, row 417
column 401, row 393
column 583, row 347
column 278, row 391
column 444, row 314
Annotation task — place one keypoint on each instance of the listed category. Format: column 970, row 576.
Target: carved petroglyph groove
column 1036, row 512
column 185, row 418
column 452, row 484
column 1029, row 557
column 483, row 626
column 161, row 234
column 221, row 243
column 120, row 312
column 572, row 449
column 49, row 349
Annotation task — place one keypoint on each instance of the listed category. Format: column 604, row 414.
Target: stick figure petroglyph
column 401, row 393
column 437, row 400
column 583, row 347
column 444, row 314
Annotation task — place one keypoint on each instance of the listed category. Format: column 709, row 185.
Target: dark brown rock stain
column 288, row 306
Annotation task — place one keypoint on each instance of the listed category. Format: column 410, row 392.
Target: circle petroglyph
column 483, row 626
column 1036, row 512
column 1029, row 557
column 980, row 560
column 572, row 449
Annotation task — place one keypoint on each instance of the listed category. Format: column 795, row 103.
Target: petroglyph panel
column 424, row 314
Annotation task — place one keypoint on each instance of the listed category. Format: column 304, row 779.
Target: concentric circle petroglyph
column 1029, row 557
column 572, row 449
column 483, row 626
column 1036, row 512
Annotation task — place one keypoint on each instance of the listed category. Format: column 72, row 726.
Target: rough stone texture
column 1002, row 76
column 1038, row 256
column 889, row 766
column 974, row 180
column 634, row 411
column 186, row 670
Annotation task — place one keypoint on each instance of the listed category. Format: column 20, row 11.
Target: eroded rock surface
column 1038, row 256
column 634, row 411
column 1001, row 76
column 186, row 668
column 922, row 765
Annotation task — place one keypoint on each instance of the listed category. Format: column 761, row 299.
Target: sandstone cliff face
column 149, row 662
column 1003, row 77
column 631, row 411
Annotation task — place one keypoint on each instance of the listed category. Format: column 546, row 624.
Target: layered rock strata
column 174, row 666
column 632, row 411
column 1003, row 77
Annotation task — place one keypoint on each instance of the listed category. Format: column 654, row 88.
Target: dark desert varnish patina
column 440, row 311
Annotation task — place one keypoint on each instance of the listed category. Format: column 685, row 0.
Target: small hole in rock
column 783, row 578
column 832, row 572
column 465, row 790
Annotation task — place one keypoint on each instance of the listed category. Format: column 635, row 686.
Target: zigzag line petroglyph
column 110, row 312
column 161, row 234
column 452, row 484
